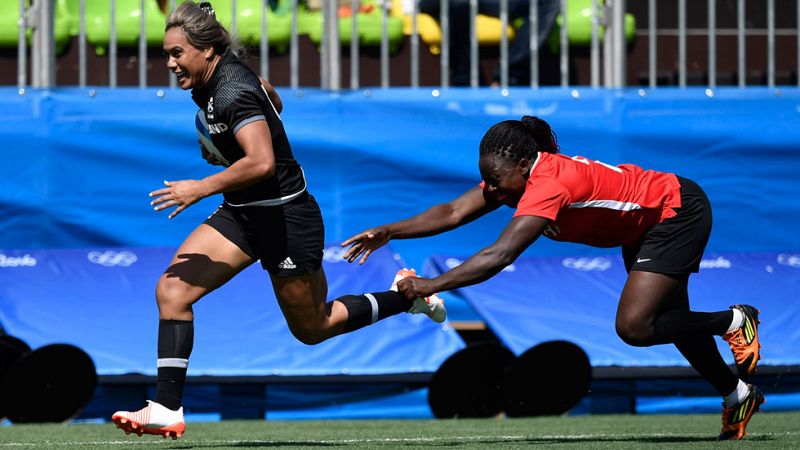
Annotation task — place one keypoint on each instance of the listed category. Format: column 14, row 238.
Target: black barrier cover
column 550, row 378
column 468, row 383
column 51, row 384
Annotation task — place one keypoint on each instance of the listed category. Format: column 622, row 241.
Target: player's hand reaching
column 415, row 287
column 364, row 243
column 208, row 156
column 182, row 194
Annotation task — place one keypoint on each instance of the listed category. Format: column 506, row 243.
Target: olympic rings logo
column 452, row 263
column 333, row 254
column 587, row 264
column 111, row 258
column 789, row 260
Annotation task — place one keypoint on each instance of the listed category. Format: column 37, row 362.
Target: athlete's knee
column 634, row 332
column 172, row 297
column 309, row 334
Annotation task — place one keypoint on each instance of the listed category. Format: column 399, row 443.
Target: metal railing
column 608, row 59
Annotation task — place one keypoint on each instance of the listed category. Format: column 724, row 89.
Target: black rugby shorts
column 676, row 245
column 288, row 239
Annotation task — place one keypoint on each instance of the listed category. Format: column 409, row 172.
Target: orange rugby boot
column 744, row 341
column 152, row 419
column 736, row 418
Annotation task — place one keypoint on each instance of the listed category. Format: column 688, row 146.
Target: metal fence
column 607, row 66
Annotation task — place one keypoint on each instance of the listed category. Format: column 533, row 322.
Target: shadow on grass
column 445, row 442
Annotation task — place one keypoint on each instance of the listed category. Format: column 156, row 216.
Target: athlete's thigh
column 303, row 296
column 205, row 261
column 648, row 294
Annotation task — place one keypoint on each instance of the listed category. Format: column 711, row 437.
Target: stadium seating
column 369, row 22
column 62, row 28
column 579, row 25
column 248, row 22
column 489, row 29
column 98, row 23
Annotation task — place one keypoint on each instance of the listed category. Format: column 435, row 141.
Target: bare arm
column 272, row 94
column 520, row 233
column 257, row 164
column 438, row 219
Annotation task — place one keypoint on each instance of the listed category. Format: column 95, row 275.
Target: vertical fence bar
column 444, row 23
column 564, row 40
column 173, row 80
column 618, row 40
column 331, row 72
column 112, row 45
column 263, row 43
column 82, row 45
column 22, row 51
column 533, row 42
column 651, row 41
column 414, row 44
column 43, row 72
column 142, row 46
column 682, row 43
column 384, row 5
column 504, row 43
column 354, row 50
column 712, row 44
column 473, row 43
column 294, row 50
column 234, row 19
column 741, row 41
column 595, row 51
column 771, row 43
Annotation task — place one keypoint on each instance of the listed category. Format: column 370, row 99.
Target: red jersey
column 597, row 204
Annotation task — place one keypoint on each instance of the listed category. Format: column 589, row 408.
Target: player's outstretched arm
column 438, row 219
column 520, row 233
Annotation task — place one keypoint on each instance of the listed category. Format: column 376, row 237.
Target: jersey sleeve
column 543, row 198
column 247, row 107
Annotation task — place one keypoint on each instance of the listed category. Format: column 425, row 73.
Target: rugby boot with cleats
column 432, row 306
column 744, row 341
column 736, row 418
column 152, row 419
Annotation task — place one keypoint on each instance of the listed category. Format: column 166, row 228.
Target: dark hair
column 517, row 139
column 201, row 28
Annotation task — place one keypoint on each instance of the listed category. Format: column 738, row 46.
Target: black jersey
column 232, row 99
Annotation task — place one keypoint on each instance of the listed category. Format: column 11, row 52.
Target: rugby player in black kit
column 267, row 214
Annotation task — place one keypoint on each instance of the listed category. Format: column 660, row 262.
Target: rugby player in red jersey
column 661, row 221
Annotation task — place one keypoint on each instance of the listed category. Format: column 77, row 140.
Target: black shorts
column 288, row 239
column 676, row 245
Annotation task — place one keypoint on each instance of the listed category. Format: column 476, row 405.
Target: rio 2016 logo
column 587, row 264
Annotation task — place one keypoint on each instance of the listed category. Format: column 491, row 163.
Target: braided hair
column 517, row 139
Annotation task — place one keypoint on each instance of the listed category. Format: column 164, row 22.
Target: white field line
column 420, row 440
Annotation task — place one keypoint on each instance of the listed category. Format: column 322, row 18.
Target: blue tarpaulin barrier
column 102, row 300
column 539, row 299
column 77, row 168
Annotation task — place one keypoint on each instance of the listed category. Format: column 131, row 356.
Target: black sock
column 703, row 355
column 175, row 340
column 369, row 308
column 677, row 325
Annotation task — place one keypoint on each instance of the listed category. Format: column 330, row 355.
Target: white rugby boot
column 432, row 306
column 152, row 419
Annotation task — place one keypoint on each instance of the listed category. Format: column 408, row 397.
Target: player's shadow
column 194, row 268
column 488, row 441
